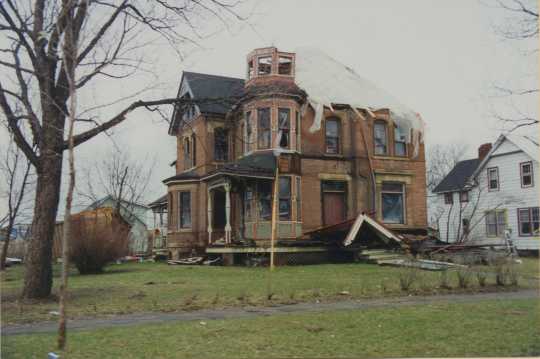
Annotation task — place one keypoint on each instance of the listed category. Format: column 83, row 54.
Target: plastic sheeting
column 327, row 82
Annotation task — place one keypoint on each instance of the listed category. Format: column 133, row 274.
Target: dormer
column 268, row 62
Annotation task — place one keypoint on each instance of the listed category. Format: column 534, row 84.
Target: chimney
column 483, row 150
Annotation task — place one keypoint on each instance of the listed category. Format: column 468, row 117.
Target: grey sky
column 440, row 58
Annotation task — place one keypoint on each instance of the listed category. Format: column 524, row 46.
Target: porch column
column 228, row 213
column 209, row 209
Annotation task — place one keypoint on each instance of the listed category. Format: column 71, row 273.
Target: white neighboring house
column 137, row 215
column 500, row 190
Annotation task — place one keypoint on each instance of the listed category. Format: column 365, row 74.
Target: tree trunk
column 38, row 258
column 6, row 245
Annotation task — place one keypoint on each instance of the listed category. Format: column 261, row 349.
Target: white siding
column 510, row 196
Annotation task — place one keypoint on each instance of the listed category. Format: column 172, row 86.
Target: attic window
column 285, row 65
column 265, row 65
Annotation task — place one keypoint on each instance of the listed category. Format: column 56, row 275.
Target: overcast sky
column 441, row 58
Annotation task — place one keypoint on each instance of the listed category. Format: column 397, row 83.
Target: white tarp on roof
column 327, row 82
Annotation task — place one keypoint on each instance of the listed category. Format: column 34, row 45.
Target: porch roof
column 259, row 165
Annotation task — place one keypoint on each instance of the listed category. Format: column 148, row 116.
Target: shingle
column 226, row 89
column 458, row 176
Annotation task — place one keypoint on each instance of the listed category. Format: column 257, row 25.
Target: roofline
column 482, row 163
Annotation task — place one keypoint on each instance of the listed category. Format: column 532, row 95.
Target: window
column 392, row 199
column 285, row 65
column 221, row 144
column 264, row 196
column 248, row 137
column 298, row 130
column 528, row 221
column 449, row 198
column 184, row 209
column 380, row 138
column 284, row 198
column 298, row 200
column 495, row 223
column 526, row 172
column 187, row 153
column 464, row 196
column 250, row 73
column 332, row 134
column 284, row 121
column 248, row 203
column 493, row 178
column 170, row 209
column 263, row 130
column 400, row 144
column 264, row 65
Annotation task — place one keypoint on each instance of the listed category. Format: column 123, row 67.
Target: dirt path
column 248, row 312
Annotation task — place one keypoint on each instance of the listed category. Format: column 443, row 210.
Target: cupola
column 268, row 62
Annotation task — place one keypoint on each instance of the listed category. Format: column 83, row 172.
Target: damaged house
column 340, row 145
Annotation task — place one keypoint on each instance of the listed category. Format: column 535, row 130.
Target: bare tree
column 113, row 38
column 15, row 169
column 520, row 24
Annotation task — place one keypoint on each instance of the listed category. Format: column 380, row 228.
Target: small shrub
column 97, row 240
column 464, row 277
column 512, row 274
column 481, row 276
column 407, row 276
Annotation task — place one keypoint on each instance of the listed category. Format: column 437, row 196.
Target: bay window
column 285, row 198
column 263, row 128
column 284, row 124
column 184, row 209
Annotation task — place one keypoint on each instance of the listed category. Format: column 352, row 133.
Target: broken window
column 495, row 223
column 332, row 135
column 400, row 144
column 284, row 121
column 529, row 221
column 285, row 65
column 526, row 174
column 380, row 138
column 221, row 144
column 392, row 202
column 264, row 196
column 251, row 72
column 184, row 209
column 263, row 130
column 285, row 198
column 264, row 66
column 493, row 178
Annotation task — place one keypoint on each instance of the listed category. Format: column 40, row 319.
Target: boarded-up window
column 393, row 202
column 284, row 121
column 332, row 135
column 221, row 144
column 263, row 128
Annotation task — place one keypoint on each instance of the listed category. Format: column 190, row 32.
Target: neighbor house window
column 285, row 198
column 493, row 178
column 248, row 137
column 495, row 223
column 449, row 198
column 332, row 138
column 464, row 196
column 184, row 209
column 393, row 202
column 526, row 172
column 221, row 144
column 263, row 128
column 264, row 66
column 264, row 196
column 400, row 144
column 380, row 137
column 284, row 122
column 285, row 65
column 528, row 221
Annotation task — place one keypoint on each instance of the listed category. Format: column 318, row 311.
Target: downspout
column 373, row 209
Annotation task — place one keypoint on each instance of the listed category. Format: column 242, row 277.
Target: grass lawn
column 488, row 328
column 148, row 287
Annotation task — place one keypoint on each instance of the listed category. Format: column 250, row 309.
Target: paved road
column 248, row 312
